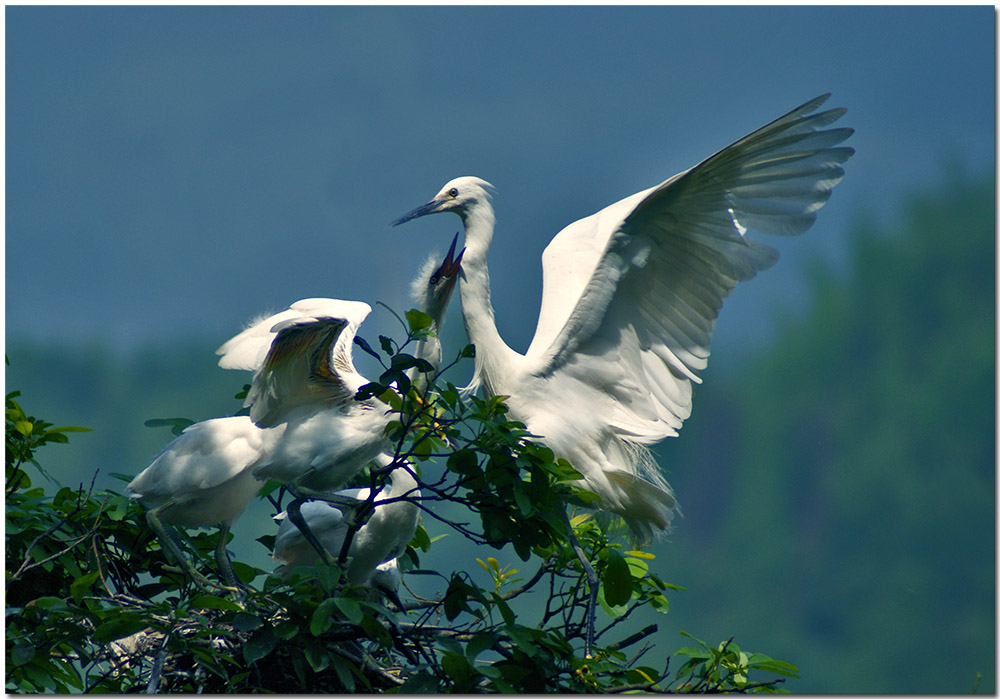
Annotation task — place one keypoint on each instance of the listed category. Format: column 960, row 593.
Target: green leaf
column 370, row 389
column 524, row 638
column 247, row 622
column 505, row 610
column 260, row 644
column 69, row 428
column 22, row 653
column 244, row 572
column 480, row 642
column 523, row 502
column 455, row 598
column 418, row 320
column 365, row 347
column 176, row 424
column 464, row 462
column 420, row 539
column 456, row 667
column 78, row 587
column 350, row 609
column 119, row 627
column 617, row 580
column 375, row 631
column 322, row 618
column 759, row 661
column 49, row 602
column 286, row 629
column 343, row 668
column 386, row 345
column 24, row 427
column 317, row 656
column 660, row 603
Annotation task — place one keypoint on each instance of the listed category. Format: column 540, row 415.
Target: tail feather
column 648, row 509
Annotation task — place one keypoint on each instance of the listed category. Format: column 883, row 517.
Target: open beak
column 451, row 265
column 431, row 207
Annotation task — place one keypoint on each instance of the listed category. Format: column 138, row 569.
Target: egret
column 204, row 478
column 381, row 539
column 305, row 379
column 387, row 578
column 630, row 298
column 431, row 291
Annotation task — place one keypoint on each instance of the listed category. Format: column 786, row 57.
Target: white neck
column 494, row 359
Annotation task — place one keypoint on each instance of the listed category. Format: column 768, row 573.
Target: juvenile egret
column 431, row 291
column 377, row 543
column 630, row 297
column 305, row 379
column 382, row 538
column 204, row 478
column 387, row 578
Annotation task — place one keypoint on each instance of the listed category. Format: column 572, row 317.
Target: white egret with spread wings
column 630, row 299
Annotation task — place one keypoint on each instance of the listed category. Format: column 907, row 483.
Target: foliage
column 860, row 445
column 93, row 605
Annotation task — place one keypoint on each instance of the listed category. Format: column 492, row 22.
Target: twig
column 528, row 585
column 634, row 638
column 25, row 566
column 157, row 670
column 369, row 664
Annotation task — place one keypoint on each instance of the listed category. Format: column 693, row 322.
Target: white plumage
column 204, row 478
column 630, row 298
column 380, row 540
column 205, row 475
column 384, row 536
column 305, row 384
column 305, row 380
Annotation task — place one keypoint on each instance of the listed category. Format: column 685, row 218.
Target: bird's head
column 462, row 195
column 433, row 286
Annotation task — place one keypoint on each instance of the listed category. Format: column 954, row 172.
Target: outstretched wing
column 308, row 362
column 631, row 293
column 247, row 350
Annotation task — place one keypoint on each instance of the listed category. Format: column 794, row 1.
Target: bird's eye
column 435, row 279
column 453, row 192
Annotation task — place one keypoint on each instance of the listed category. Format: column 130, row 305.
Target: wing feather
column 639, row 285
column 247, row 350
column 309, row 361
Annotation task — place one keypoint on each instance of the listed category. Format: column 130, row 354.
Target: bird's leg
column 302, row 493
column 299, row 521
column 354, row 523
column 348, row 507
column 592, row 583
column 222, row 560
column 168, row 543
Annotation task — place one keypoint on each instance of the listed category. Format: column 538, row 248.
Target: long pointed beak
column 430, row 207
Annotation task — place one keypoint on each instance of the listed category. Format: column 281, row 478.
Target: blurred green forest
column 838, row 482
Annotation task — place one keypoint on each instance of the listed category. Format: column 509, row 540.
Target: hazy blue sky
column 177, row 170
